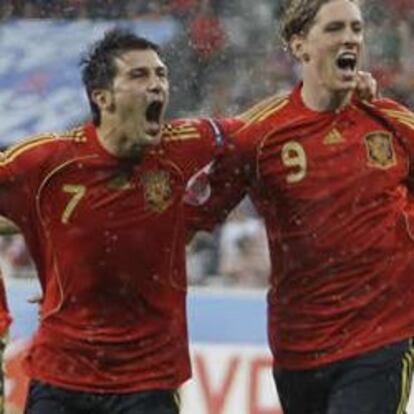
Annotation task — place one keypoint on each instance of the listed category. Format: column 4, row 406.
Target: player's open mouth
column 346, row 62
column 153, row 116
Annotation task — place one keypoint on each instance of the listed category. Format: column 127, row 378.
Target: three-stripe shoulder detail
column 181, row 132
column 263, row 109
column 404, row 117
column 76, row 134
column 22, row 147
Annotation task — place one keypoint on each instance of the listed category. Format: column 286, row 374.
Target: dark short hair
column 299, row 15
column 98, row 65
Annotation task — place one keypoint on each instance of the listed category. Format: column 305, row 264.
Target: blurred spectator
column 243, row 253
column 202, row 262
column 15, row 258
column 207, row 43
column 92, row 9
column 183, row 9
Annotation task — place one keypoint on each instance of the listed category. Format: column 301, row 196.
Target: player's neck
column 116, row 142
column 321, row 100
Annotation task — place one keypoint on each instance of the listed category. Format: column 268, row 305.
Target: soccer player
column 101, row 211
column 6, row 227
column 329, row 175
column 5, row 321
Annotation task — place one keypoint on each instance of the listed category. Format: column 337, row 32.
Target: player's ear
column 102, row 98
column 297, row 46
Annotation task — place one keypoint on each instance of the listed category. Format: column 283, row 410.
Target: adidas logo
column 333, row 137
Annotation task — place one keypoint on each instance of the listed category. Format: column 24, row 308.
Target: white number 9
column 293, row 155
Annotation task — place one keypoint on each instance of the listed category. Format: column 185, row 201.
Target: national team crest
column 380, row 150
column 157, row 190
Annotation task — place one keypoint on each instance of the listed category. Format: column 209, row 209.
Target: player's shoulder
column 260, row 118
column 389, row 104
column 29, row 144
column 182, row 130
column 75, row 135
column 264, row 109
column 395, row 111
column 44, row 143
column 186, row 129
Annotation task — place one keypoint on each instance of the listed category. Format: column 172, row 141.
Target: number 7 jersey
column 107, row 237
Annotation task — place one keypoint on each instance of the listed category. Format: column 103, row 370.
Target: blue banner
column 40, row 85
column 220, row 316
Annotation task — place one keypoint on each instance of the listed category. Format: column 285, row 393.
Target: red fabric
column 108, row 241
column 403, row 5
column 331, row 188
column 206, row 35
column 5, row 318
column 17, row 380
column 183, row 7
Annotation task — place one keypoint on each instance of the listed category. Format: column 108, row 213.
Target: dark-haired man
column 101, row 211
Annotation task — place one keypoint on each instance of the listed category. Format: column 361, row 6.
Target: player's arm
column 215, row 192
column 21, row 170
column 5, row 321
column 191, row 144
column 402, row 118
column 7, row 227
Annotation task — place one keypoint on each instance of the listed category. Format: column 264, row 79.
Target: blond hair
column 299, row 15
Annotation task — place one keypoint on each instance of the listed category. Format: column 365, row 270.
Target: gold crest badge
column 157, row 190
column 380, row 150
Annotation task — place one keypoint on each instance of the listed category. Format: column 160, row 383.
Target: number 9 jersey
column 332, row 190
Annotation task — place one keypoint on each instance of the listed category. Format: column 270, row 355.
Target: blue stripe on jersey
column 218, row 135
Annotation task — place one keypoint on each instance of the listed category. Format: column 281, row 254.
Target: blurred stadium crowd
column 226, row 56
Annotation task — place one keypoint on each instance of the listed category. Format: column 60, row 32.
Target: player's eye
column 138, row 73
column 357, row 27
column 162, row 73
column 334, row 27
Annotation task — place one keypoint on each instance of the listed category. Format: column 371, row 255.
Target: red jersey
column 331, row 187
column 5, row 318
column 107, row 237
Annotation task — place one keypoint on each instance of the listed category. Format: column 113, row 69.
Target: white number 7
column 77, row 191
